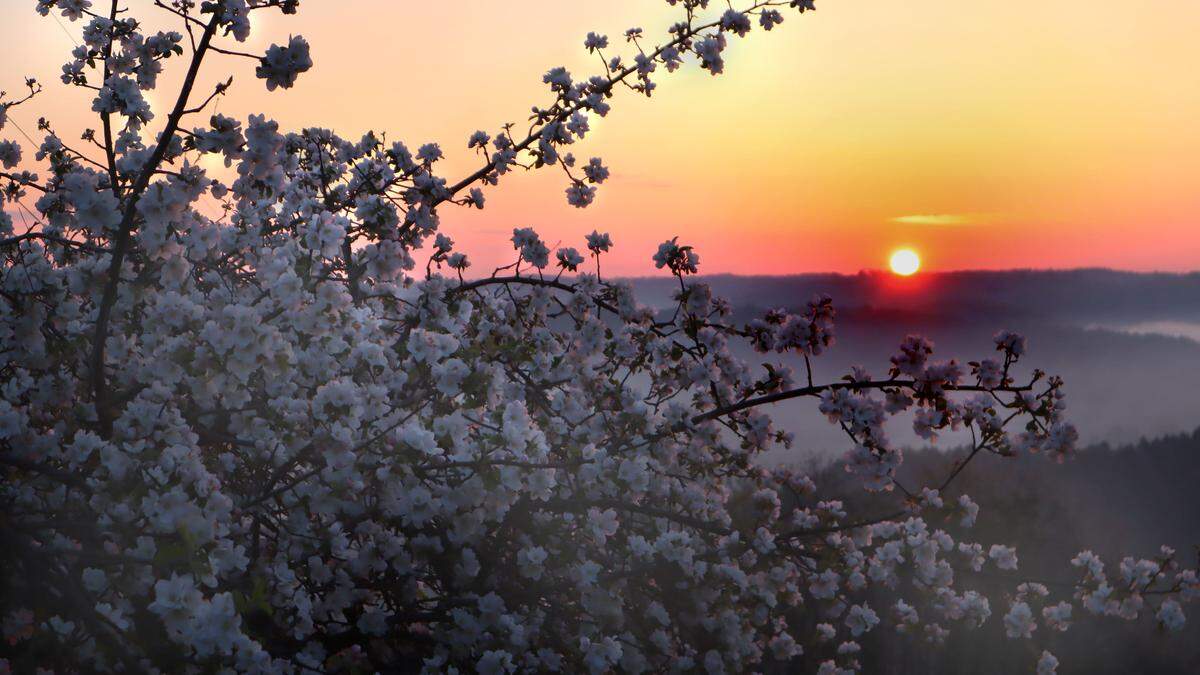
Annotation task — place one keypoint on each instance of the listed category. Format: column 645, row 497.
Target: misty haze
column 1090, row 326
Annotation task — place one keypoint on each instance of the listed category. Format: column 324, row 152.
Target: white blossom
column 283, row 63
column 303, row 447
column 1047, row 664
column 1005, row 557
column 1019, row 623
column 10, row 154
column 1170, row 615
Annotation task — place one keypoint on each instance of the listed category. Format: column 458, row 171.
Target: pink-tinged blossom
column 1057, row 616
column 1019, row 623
column 1005, row 557
column 861, row 619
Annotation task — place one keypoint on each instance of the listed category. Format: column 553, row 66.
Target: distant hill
column 1124, row 380
column 1083, row 294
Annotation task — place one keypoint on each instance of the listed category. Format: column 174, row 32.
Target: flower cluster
column 264, row 442
column 282, row 64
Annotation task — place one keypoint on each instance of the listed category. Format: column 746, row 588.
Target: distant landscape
column 1127, row 343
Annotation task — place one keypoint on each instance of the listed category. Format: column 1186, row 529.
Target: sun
column 905, row 262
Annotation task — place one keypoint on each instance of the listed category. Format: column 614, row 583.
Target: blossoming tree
column 271, row 441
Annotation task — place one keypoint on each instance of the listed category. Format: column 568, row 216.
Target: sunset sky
column 982, row 134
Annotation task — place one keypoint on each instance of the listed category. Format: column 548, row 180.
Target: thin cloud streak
column 935, row 219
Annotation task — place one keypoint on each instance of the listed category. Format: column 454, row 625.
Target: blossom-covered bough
column 266, row 442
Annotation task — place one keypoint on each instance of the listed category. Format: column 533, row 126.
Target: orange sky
column 983, row 134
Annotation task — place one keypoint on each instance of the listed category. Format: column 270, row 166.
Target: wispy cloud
column 935, row 219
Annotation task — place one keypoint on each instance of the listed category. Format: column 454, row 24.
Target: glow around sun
column 905, row 262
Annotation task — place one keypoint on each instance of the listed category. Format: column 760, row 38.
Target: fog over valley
column 1127, row 344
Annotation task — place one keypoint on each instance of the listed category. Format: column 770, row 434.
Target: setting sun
column 905, row 262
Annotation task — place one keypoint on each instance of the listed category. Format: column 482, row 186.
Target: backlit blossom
column 282, row 64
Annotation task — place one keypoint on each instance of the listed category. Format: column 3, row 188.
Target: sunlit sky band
column 983, row 135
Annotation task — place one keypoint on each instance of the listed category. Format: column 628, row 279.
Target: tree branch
column 820, row 388
column 91, row 248
column 121, row 245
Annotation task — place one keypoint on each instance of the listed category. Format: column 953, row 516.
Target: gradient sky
column 983, row 134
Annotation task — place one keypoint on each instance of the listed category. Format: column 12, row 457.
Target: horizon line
column 923, row 273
